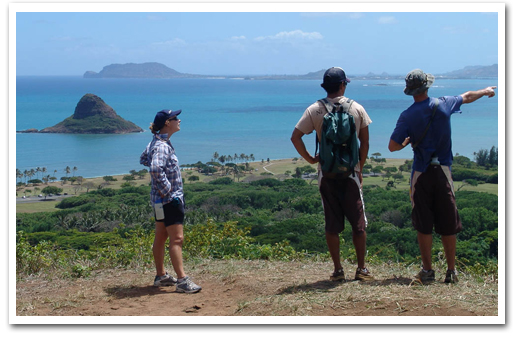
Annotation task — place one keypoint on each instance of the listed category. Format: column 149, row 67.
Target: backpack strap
column 328, row 106
column 347, row 104
column 435, row 101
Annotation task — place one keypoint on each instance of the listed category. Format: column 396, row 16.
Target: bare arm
column 471, row 96
column 394, row 146
column 299, row 145
column 364, row 139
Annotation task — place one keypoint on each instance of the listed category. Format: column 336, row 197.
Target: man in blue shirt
column 426, row 125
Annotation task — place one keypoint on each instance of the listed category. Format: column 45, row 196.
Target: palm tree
column 38, row 169
column 236, row 172
column 215, row 156
column 31, row 173
column 75, row 169
column 19, row 174
column 55, row 171
column 67, row 170
column 222, row 159
column 44, row 170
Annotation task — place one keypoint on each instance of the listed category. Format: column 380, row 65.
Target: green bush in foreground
column 201, row 241
column 231, row 242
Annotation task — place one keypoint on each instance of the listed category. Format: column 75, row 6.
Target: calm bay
column 228, row 116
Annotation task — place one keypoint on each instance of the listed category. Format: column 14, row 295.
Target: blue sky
column 256, row 43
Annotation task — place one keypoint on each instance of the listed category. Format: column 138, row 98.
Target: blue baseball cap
column 334, row 75
column 162, row 116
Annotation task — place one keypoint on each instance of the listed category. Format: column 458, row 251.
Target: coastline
column 277, row 168
column 258, row 164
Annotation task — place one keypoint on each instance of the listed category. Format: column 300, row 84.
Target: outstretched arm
column 471, row 96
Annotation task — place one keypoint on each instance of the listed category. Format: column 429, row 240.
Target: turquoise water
column 227, row 116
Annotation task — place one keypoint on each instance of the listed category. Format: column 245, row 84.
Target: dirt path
column 254, row 288
column 265, row 169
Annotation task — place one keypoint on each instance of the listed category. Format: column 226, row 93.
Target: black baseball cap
column 334, row 75
column 162, row 116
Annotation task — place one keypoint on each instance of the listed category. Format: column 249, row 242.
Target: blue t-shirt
column 437, row 142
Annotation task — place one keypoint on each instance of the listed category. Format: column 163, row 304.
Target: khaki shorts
column 342, row 198
column 433, row 201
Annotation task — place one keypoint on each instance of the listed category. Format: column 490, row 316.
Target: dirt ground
column 255, row 288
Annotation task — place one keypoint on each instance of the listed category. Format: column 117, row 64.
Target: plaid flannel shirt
column 164, row 168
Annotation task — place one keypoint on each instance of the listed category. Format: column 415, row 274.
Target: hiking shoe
column 164, row 280
column 363, row 274
column 425, row 276
column 187, row 286
column 338, row 275
column 451, row 276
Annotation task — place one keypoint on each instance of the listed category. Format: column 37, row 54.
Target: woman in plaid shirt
column 167, row 190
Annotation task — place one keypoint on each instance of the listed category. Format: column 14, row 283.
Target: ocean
column 227, row 116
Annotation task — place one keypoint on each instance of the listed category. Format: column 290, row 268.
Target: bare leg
column 176, row 249
column 359, row 240
column 160, row 237
column 333, row 245
column 449, row 246
column 425, row 242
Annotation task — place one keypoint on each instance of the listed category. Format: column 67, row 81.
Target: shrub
column 222, row 181
column 228, row 241
column 269, row 182
column 32, row 260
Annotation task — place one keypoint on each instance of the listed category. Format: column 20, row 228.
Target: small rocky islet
column 92, row 116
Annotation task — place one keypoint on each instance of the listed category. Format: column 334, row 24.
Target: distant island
column 158, row 70
column 135, row 70
column 473, row 72
column 92, row 116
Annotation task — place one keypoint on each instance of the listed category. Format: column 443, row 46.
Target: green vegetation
column 267, row 217
column 264, row 219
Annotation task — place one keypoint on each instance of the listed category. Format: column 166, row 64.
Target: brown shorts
column 343, row 198
column 434, row 203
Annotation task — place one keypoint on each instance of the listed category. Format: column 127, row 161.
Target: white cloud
column 355, row 15
column 292, row 35
column 242, row 37
column 170, row 43
column 387, row 20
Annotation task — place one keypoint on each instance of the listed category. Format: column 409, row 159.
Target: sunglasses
column 173, row 118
